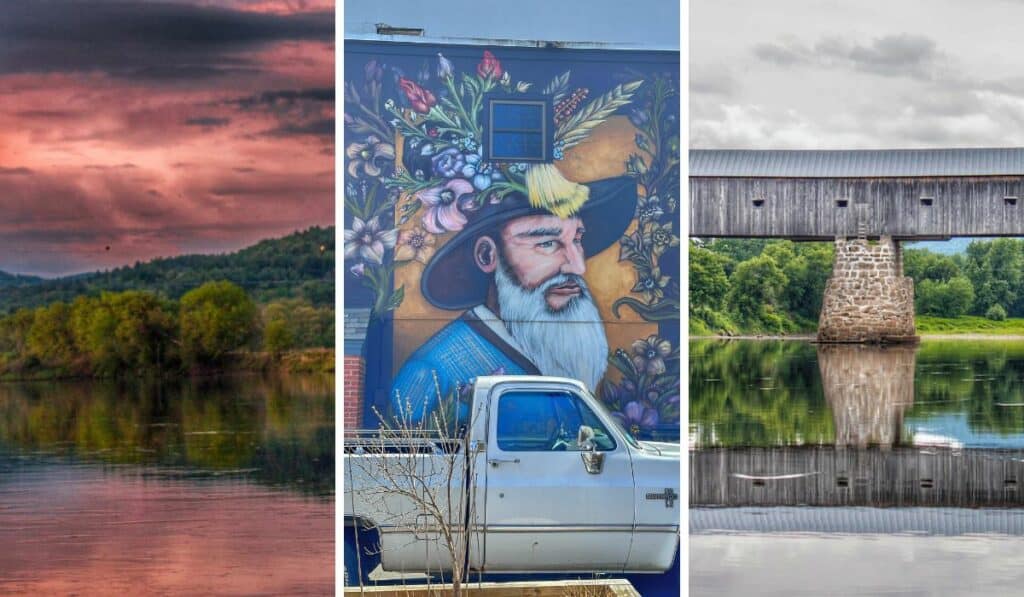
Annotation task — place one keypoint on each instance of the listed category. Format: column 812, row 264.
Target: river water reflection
column 811, row 466
column 213, row 486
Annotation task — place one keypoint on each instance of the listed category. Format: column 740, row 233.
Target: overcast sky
column 157, row 129
column 827, row 74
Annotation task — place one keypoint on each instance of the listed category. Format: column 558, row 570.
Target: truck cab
column 548, row 482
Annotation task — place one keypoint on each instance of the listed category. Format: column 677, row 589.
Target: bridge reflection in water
column 868, row 390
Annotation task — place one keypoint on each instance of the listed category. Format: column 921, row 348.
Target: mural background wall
column 413, row 114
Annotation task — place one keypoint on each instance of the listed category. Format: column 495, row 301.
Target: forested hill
column 8, row 280
column 300, row 265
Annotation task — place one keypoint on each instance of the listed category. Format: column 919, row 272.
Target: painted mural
column 566, row 265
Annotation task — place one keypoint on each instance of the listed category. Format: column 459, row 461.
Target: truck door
column 544, row 510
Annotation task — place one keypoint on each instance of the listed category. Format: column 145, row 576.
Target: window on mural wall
column 518, row 130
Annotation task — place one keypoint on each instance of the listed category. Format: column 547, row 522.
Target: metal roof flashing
column 519, row 43
column 880, row 163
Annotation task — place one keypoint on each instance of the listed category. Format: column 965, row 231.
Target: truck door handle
column 497, row 461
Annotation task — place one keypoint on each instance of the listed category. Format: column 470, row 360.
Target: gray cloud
column 712, row 81
column 143, row 40
column 900, row 55
column 208, row 121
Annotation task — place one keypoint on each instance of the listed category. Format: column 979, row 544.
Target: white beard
column 576, row 347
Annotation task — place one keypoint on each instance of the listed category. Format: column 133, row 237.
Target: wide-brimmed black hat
column 452, row 279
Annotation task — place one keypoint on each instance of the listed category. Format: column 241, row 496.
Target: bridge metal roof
column 885, row 163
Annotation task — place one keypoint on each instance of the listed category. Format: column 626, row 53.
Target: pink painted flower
column 443, row 213
column 489, row 67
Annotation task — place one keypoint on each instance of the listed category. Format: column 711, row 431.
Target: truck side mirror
column 593, row 460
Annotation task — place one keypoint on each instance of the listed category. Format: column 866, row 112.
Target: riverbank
column 307, row 360
column 937, row 328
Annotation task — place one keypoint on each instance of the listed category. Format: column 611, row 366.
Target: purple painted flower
column 442, row 206
column 449, row 163
column 358, row 269
column 373, row 71
column 637, row 415
column 639, row 117
column 367, row 241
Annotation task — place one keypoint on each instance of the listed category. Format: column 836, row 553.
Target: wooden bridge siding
column 967, row 478
column 805, row 208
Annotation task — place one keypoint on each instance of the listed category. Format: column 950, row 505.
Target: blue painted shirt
column 474, row 344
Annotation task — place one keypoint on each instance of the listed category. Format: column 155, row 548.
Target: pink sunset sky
column 134, row 129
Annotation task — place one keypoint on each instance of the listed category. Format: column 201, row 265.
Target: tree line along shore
column 214, row 327
column 757, row 286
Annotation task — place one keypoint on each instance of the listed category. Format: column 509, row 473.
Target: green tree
column 756, row 292
column 49, row 338
column 214, row 319
column 708, row 281
column 944, row 299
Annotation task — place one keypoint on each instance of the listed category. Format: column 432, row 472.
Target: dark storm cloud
column 132, row 39
column 207, row 121
column 286, row 98
column 901, row 55
column 317, row 128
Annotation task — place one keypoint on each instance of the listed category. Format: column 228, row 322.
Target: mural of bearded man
column 516, row 270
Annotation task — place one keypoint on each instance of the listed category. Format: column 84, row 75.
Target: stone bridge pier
column 868, row 299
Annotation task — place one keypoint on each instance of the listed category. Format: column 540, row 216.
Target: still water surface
column 216, row 486
column 856, row 470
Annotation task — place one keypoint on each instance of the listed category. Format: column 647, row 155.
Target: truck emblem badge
column 668, row 495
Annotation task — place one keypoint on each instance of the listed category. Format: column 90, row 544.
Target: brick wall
column 353, row 392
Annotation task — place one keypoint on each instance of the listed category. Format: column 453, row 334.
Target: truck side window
column 543, row 421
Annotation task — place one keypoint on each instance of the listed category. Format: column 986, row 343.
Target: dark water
column 216, row 486
column 856, row 470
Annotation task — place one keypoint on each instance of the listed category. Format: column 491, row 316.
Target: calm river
column 856, row 470
column 216, row 487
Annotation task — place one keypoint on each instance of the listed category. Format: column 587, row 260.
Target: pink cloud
column 156, row 167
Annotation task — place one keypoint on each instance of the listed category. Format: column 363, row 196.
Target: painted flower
column 523, row 86
column 481, row 172
column 369, row 157
column 415, row 244
column 615, row 395
column 449, row 163
column 445, row 70
column 635, row 164
column 558, row 151
column 506, row 79
column 639, row 117
column 367, row 241
column 443, row 213
column 373, row 71
column 489, row 67
column 358, row 269
column 649, row 355
column 422, row 100
column 649, row 209
column 637, row 415
column 650, row 282
column 659, row 237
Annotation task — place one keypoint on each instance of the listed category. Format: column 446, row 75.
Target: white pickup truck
column 552, row 484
